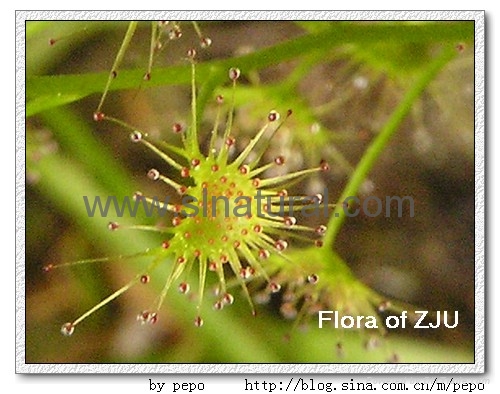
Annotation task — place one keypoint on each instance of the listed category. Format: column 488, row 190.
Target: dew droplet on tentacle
column 205, row 42
column 273, row 116
column 324, row 166
column 99, row 116
column 244, row 169
column 137, row 196
column 67, row 329
column 234, row 73
column 228, row 299
column 264, row 254
column 257, row 228
column 147, row 317
column 153, row 174
column 182, row 190
column 313, row 279
column 112, row 226
column 281, row 245
column 280, row 160
column 230, row 141
column 383, row 306
column 320, row 230
column 175, row 33
column 136, row 136
column 245, row 273
column 178, row 128
column 185, row 172
column 184, row 288
column 317, row 199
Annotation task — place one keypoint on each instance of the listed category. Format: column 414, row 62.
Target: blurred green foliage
column 63, row 85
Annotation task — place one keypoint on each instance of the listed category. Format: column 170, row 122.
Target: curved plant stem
column 380, row 142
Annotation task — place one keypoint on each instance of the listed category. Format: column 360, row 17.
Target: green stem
column 338, row 34
column 380, row 142
column 119, row 57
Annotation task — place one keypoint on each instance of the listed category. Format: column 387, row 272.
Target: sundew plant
column 201, row 191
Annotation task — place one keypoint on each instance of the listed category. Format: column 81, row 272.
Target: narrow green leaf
column 339, row 34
